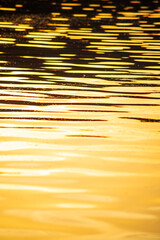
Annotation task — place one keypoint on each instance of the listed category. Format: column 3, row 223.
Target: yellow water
column 79, row 122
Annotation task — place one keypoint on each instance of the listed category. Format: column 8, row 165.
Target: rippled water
column 79, row 121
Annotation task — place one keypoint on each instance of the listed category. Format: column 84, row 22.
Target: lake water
column 80, row 121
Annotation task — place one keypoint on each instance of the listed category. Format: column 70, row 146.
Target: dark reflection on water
column 74, row 77
column 51, row 119
column 144, row 119
column 17, row 102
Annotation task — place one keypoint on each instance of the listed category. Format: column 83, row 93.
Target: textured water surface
column 79, row 120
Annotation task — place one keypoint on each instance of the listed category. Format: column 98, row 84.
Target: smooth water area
column 80, row 121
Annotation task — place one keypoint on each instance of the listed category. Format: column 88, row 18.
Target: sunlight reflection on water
column 79, row 120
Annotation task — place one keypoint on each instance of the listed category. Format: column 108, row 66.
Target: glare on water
column 79, row 121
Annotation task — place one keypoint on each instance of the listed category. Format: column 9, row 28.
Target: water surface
column 79, row 120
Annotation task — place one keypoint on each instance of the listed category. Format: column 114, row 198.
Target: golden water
column 79, row 122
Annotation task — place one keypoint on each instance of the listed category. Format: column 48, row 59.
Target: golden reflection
column 13, row 68
column 20, row 29
column 3, row 61
column 46, row 42
column 88, row 9
column 8, row 39
column 19, row 5
column 79, row 15
column 37, row 188
column 55, row 13
column 6, row 42
column 26, row 73
column 88, row 172
column 23, row 26
column 7, row 9
column 37, row 45
column 71, row 4
column 28, row 19
column 76, row 206
column 6, row 23
column 40, row 35
column 67, row 55
column 28, row 158
column 60, row 19
column 67, row 8
column 79, row 121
